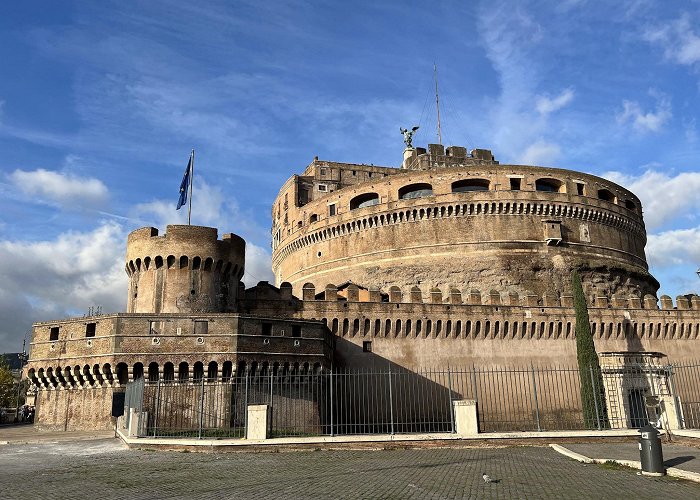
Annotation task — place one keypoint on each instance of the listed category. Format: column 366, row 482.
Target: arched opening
column 122, row 373
column 184, row 262
column 138, row 370
column 183, row 372
column 227, row 371
column 630, row 205
column 208, row 264
column 196, row 263
column 413, row 191
column 153, row 372
column 168, row 372
column 549, row 185
column 364, row 200
column 171, row 261
column 605, row 195
column 313, row 218
column 159, row 262
column 467, row 185
column 198, row 371
column 212, row 371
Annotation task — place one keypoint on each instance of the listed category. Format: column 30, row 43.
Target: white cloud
column 664, row 197
column 63, row 188
column 546, row 105
column 646, row 121
column 540, row 153
column 673, row 248
column 678, row 39
column 56, row 278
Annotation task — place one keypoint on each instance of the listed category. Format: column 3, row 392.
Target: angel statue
column 408, row 136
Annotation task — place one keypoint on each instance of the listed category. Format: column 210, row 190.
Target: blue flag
column 185, row 185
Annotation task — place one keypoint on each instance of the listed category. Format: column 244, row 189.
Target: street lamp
column 698, row 272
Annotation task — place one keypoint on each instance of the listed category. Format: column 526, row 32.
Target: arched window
column 364, row 200
column 606, row 195
column 184, row 262
column 466, row 185
column 415, row 191
column 196, row 263
column 159, row 262
column 630, row 205
column 313, row 218
column 549, row 185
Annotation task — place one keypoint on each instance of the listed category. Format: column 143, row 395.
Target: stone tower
column 186, row 270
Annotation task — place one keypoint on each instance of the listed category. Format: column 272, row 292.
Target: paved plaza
column 105, row 469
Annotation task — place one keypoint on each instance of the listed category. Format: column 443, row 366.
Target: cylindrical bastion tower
column 453, row 220
column 186, row 270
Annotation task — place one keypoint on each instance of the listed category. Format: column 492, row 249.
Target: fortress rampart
column 520, row 227
column 188, row 269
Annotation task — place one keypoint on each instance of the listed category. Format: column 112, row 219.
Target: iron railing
column 396, row 400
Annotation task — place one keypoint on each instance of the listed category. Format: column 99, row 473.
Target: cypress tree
column 592, row 395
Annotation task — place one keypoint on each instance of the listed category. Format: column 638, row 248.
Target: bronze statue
column 408, row 136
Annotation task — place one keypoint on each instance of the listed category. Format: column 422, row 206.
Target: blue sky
column 101, row 102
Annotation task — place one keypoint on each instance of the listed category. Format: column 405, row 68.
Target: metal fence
column 401, row 401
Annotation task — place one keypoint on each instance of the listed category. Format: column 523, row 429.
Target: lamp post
column 698, row 272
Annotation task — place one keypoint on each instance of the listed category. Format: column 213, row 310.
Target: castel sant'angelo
column 451, row 259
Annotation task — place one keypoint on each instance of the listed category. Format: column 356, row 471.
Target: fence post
column 155, row 417
column 332, row 402
column 201, row 410
column 391, row 402
column 474, row 385
column 595, row 397
column 534, row 389
column 245, row 406
column 452, row 413
column 269, row 420
column 674, row 396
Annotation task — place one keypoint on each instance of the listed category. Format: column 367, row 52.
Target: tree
column 590, row 375
column 8, row 388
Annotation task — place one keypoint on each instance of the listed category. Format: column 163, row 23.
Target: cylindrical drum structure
column 186, row 270
column 455, row 222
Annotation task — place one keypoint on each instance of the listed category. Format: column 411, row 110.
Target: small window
column 369, row 174
column 630, row 205
column 470, row 185
column 322, row 187
column 354, row 172
column 548, row 185
column 90, row 329
column 313, row 218
column 53, row 335
column 267, row 329
column 323, row 171
column 606, row 195
column 515, row 184
column 415, row 191
column 364, row 200
column 296, row 330
column 331, row 210
column 201, row 327
column 580, row 189
column 367, row 346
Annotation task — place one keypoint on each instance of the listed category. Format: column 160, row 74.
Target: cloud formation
column 678, row 40
column 546, row 105
column 674, row 247
column 646, row 121
column 64, row 189
column 540, row 153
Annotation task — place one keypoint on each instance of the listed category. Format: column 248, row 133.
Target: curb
column 670, row 471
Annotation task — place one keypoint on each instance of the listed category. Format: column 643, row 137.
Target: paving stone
column 104, row 469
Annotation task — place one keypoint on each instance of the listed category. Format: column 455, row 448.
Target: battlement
column 453, row 296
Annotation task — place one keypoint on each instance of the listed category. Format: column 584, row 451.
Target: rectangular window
column 323, row 171
column 514, row 184
column 90, row 329
column 296, row 330
column 201, row 327
column 267, row 329
column 579, row 189
column 53, row 335
column 322, row 187
column 354, row 172
column 331, row 210
column 367, row 346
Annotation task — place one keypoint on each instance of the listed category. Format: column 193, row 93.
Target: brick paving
column 105, row 469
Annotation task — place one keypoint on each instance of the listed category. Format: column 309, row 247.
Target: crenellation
column 666, row 302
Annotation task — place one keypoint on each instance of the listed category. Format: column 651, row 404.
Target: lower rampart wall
column 75, row 409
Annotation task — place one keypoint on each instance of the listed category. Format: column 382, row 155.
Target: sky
column 101, row 103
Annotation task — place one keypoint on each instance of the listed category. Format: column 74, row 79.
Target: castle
column 452, row 259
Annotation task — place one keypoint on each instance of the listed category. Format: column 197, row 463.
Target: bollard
column 650, row 452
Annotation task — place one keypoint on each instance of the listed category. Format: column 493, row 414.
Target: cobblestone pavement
column 105, row 469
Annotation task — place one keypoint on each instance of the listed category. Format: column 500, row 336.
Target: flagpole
column 189, row 209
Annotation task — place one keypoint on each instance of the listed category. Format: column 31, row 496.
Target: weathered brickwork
column 453, row 222
column 451, row 260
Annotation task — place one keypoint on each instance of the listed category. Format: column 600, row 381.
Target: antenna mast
column 437, row 105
